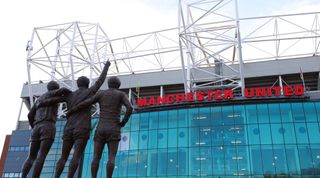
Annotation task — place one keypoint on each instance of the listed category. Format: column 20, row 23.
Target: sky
column 118, row 18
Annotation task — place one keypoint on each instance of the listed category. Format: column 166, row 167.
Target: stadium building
column 211, row 98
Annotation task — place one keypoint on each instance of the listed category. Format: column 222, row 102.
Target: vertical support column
column 318, row 86
column 281, row 84
column 93, row 53
column 70, row 54
column 184, row 75
column 53, row 66
column 189, row 51
column 161, row 91
column 29, row 48
column 241, row 65
column 130, row 94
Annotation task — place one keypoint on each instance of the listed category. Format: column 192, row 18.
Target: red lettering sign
column 210, row 95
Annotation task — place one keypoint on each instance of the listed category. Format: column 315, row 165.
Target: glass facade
column 55, row 153
column 251, row 140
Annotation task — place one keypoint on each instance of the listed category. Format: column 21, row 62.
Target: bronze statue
column 42, row 121
column 109, row 126
column 78, row 125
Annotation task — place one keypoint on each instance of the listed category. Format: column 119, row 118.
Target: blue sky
column 118, row 17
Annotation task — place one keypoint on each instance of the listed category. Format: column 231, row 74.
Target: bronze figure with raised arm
column 42, row 121
column 109, row 126
column 78, row 126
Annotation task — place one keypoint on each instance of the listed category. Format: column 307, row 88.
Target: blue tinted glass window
column 316, row 158
column 194, row 118
column 182, row 163
column 306, row 162
column 231, row 159
column 310, row 112
column 153, row 120
column 297, row 112
column 293, row 159
column 172, row 138
column 205, row 136
column 134, row 140
column 229, row 137
column 268, row 160
column 239, row 115
column 274, row 113
column 144, row 121
column 194, row 162
column 162, row 138
column 285, row 111
column 280, row 160
column 217, row 135
column 251, row 113
column 183, row 118
column 132, row 162
column 314, row 132
column 142, row 164
column 183, row 137
column 172, row 118
column 206, row 160
column 301, row 133
column 135, row 122
column 244, row 160
column 263, row 114
column 122, row 163
column 256, row 160
column 162, row 162
column 216, row 116
column 204, row 117
column 288, row 133
column 153, row 139
column 163, row 119
column 194, row 136
column 143, row 139
column 277, row 132
column 254, row 134
column 227, row 115
column 172, row 162
column 152, row 163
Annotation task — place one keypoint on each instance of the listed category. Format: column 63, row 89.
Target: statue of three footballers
column 78, row 125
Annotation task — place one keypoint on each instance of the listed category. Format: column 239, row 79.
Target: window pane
column 142, row 164
column 163, row 119
column 297, row 112
column 162, row 162
column 285, row 110
column 310, row 112
column 143, row 139
column 144, row 122
column 216, row 116
column 172, row 135
column 263, row 114
column 277, row 133
column 153, row 139
column 183, row 118
column 153, row 120
column 239, row 115
column 251, row 113
column 152, row 163
column 162, row 138
column 182, row 137
column 134, row 122
column 274, row 113
column 172, row 118
column 204, row 117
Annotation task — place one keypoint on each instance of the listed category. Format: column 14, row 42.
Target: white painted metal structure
column 208, row 40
